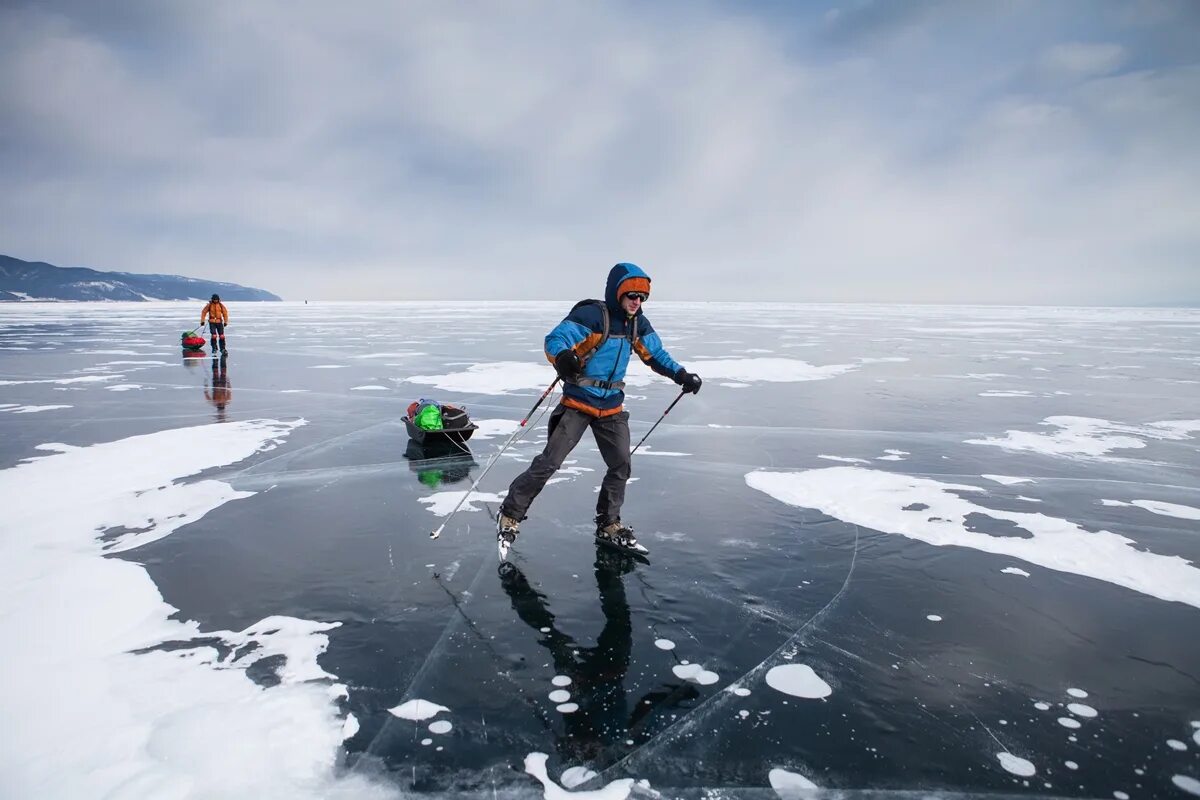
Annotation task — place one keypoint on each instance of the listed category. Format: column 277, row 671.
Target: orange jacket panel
column 215, row 312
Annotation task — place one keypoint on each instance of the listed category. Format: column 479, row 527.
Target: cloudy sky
column 927, row 151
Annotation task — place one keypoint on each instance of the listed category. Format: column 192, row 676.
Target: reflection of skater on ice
column 219, row 392
column 598, row 717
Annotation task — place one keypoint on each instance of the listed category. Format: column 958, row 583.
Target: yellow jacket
column 215, row 312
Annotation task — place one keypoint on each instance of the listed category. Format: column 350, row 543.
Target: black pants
column 566, row 429
column 217, row 332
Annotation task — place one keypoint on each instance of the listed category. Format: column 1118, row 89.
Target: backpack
column 583, row 357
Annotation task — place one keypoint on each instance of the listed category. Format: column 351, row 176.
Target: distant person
column 217, row 316
column 590, row 349
column 219, row 393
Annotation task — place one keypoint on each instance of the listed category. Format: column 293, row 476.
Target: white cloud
column 1083, row 60
column 401, row 150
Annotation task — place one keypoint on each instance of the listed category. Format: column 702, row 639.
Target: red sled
column 191, row 342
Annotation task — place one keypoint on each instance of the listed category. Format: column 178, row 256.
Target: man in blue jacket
column 590, row 350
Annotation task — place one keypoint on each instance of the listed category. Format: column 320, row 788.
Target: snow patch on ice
column 650, row 451
column 1187, row 784
column 560, row 680
column 876, row 500
column 798, row 680
column 441, row 726
column 501, row 377
column 789, row 784
column 1068, row 722
column 370, row 388
column 1016, row 765
column 845, row 459
column 417, row 710
column 1158, row 507
column 560, row 696
column 1089, row 437
column 1080, row 693
column 494, row 427
column 442, row 503
column 163, row 715
column 32, row 409
column 1081, row 710
column 1175, row 744
column 695, row 673
column 664, row 644
column 567, row 708
column 769, row 370
column 1015, row 571
column 1007, row 480
column 67, row 381
column 933, row 618
column 573, row 776
column 535, row 765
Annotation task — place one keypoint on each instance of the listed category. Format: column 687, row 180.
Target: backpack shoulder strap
column 604, row 334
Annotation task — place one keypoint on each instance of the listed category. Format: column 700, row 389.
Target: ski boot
column 618, row 534
column 507, row 529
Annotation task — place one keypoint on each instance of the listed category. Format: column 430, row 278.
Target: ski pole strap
column 600, row 384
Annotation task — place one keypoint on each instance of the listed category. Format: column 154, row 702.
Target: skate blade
column 502, row 547
column 637, row 550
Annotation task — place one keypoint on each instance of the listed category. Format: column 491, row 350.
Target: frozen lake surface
column 892, row 548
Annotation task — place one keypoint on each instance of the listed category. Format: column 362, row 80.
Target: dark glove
column 568, row 366
column 690, row 381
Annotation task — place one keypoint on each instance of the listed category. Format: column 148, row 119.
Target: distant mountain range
column 35, row 280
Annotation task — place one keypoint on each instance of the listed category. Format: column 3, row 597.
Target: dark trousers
column 216, row 331
column 566, row 429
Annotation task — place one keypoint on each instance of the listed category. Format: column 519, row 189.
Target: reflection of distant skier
column 597, row 732
column 219, row 392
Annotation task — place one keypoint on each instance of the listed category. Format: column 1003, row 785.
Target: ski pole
column 435, row 534
column 655, row 425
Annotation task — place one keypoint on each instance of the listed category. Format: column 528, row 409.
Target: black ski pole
column 655, row 425
column 435, row 534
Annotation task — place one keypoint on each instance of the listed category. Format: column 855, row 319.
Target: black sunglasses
column 636, row 295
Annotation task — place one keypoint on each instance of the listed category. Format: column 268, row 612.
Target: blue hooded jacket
column 606, row 360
